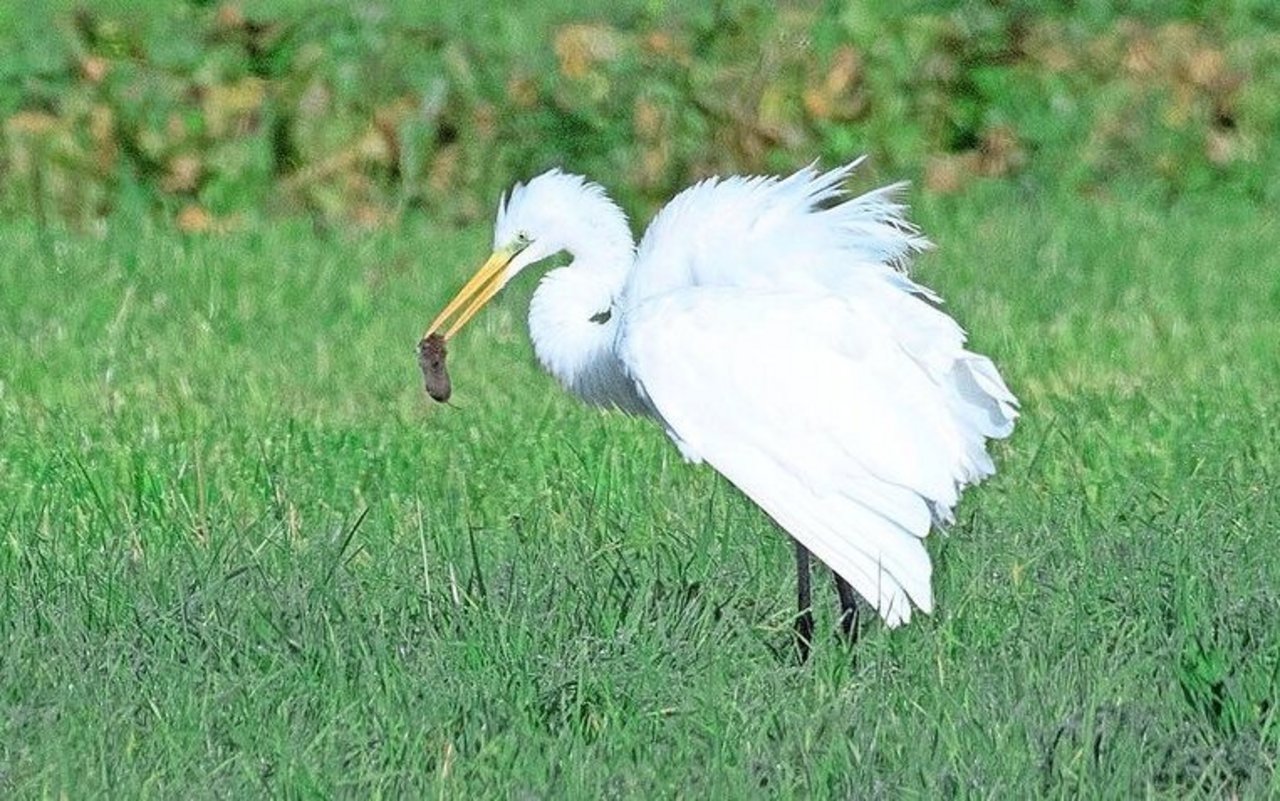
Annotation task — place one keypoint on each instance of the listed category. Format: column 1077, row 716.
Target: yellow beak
column 477, row 292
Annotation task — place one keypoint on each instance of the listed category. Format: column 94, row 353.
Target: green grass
column 241, row 554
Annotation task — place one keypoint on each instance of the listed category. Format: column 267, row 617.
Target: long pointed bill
column 472, row 297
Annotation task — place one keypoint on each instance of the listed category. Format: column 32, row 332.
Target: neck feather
column 574, row 321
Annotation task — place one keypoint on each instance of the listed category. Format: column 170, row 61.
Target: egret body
column 770, row 327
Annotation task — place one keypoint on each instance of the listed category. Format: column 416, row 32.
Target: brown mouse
column 435, row 376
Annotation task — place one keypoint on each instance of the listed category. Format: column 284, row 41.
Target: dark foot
column 804, row 618
column 848, row 609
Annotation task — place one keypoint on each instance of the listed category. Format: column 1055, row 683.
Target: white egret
column 769, row 325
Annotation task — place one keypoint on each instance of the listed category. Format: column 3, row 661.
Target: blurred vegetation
column 214, row 113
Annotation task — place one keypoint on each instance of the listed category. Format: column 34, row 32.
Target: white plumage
column 770, row 326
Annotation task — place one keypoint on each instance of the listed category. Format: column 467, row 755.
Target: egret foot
column 848, row 609
column 804, row 617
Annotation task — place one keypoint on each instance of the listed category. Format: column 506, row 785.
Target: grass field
column 241, row 554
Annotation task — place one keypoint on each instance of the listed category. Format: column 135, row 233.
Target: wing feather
column 810, row 405
column 770, row 325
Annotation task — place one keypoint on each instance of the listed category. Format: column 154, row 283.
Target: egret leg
column 848, row 608
column 804, row 620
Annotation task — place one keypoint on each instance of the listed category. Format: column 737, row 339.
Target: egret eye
column 523, row 240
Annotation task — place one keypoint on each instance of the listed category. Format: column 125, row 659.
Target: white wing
column 775, row 334
column 775, row 233
column 812, row 407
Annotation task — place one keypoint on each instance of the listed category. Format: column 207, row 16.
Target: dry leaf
column 580, row 47
column 94, row 68
column 444, row 168
column 102, row 131
column 485, row 119
column 30, row 122
column 229, row 16
column 1140, row 57
column 1001, row 152
column 522, row 91
column 370, row 216
column 951, row 172
column 231, row 108
column 1222, row 147
column 846, row 70
column 647, row 119
column 193, row 219
column 817, row 104
column 1207, row 68
column 663, row 44
column 652, row 169
column 183, row 174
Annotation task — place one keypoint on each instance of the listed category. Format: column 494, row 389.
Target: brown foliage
column 264, row 119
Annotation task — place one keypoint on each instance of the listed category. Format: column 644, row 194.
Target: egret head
column 553, row 213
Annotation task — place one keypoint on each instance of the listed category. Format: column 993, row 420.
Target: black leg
column 848, row 608
column 804, row 620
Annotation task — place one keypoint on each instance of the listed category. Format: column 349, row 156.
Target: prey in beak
column 486, row 283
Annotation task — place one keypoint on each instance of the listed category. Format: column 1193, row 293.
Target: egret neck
column 573, row 317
